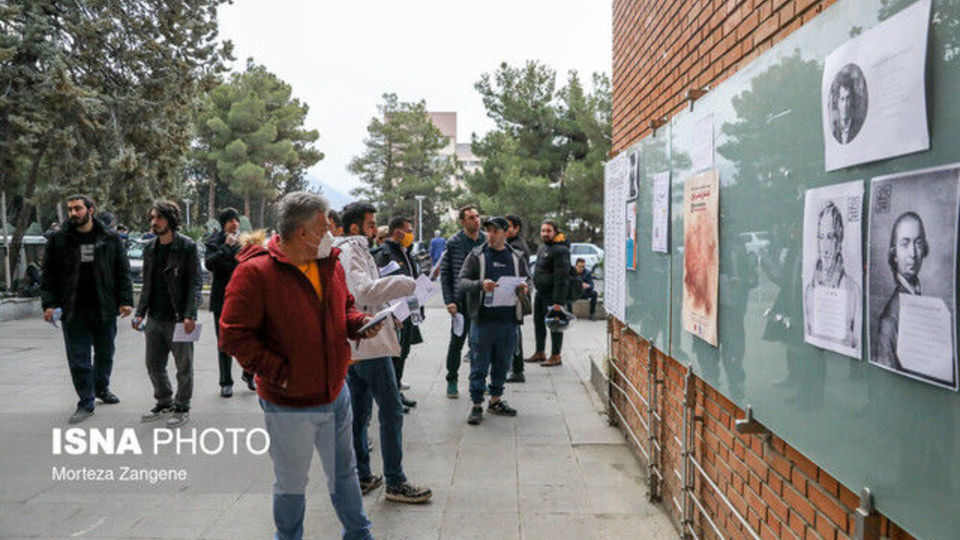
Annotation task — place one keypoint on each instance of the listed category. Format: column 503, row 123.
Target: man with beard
column 371, row 376
column 221, row 260
column 908, row 249
column 551, row 278
column 171, row 294
column 830, row 273
column 86, row 276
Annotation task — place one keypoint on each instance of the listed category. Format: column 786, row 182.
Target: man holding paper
column 170, row 296
column 371, row 376
column 492, row 276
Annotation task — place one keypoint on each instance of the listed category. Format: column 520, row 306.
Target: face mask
column 325, row 245
column 407, row 240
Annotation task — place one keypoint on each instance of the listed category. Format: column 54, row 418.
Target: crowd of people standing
column 295, row 310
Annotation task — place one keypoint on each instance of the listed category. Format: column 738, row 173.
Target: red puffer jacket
column 276, row 327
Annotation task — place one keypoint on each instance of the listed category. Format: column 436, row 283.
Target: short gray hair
column 297, row 208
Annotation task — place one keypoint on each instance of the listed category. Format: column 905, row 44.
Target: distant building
column 468, row 163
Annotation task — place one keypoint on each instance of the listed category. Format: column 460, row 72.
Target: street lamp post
column 420, row 199
column 188, row 201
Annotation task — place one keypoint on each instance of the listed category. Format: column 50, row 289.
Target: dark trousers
column 226, row 361
column 160, row 344
column 456, row 348
column 89, row 377
column 373, row 380
column 495, row 342
column 399, row 362
column 518, row 351
column 540, row 310
column 592, row 295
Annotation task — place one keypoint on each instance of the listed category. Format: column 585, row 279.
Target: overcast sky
column 341, row 56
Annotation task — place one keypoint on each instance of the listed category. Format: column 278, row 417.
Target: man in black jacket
column 458, row 247
column 171, row 294
column 585, row 287
column 551, row 278
column 221, row 259
column 86, row 276
column 515, row 240
column 395, row 252
column 494, row 326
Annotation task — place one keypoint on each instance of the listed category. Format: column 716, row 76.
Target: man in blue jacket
column 458, row 247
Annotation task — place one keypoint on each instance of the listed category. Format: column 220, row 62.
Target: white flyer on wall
column 661, row 212
column 615, row 193
column 873, row 96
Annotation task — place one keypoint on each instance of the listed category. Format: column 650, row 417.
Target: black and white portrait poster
column 634, row 178
column 873, row 96
column 912, row 273
column 832, row 268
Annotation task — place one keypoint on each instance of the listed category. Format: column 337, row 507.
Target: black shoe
column 108, row 397
column 516, row 377
column 476, row 415
column 501, row 408
column 407, row 402
column 226, row 390
column 371, row 483
column 408, row 493
column 248, row 378
column 80, row 415
column 406, row 410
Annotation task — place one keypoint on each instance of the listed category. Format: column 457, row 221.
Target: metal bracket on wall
column 866, row 522
column 656, row 123
column 694, row 94
column 749, row 425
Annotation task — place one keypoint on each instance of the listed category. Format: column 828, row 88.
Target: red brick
column 828, row 483
column 799, row 504
column 825, row 528
column 828, row 505
column 774, row 503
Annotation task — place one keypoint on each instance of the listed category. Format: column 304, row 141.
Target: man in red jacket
column 286, row 317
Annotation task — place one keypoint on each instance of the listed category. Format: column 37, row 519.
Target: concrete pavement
column 555, row 471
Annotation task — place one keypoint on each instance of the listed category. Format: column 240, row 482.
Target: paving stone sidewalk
column 556, row 471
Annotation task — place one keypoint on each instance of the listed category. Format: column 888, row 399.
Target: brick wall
column 781, row 493
column 662, row 48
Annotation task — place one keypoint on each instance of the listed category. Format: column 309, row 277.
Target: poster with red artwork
column 701, row 257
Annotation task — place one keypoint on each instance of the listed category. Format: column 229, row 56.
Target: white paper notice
column 180, row 335
column 701, row 153
column 615, row 234
column 829, row 313
column 873, row 96
column 661, row 212
column 505, row 294
column 426, row 289
column 389, row 268
column 925, row 337
column 457, row 322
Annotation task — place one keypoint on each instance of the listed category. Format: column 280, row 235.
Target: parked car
column 590, row 253
column 756, row 242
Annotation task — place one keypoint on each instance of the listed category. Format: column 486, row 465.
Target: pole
column 420, row 199
column 188, row 211
column 6, row 239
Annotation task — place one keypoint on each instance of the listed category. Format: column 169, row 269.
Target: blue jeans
column 495, row 341
column 294, row 433
column 370, row 380
column 79, row 335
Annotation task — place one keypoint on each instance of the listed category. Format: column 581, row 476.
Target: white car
column 590, row 253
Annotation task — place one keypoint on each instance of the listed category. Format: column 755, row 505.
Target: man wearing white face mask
column 287, row 317
column 395, row 252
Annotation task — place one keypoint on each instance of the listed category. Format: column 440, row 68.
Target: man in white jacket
column 371, row 375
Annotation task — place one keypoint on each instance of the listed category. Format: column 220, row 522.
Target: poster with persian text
column 701, row 255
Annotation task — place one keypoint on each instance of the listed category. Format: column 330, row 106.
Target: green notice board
column 866, row 426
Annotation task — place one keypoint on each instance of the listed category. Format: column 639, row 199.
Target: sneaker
column 156, row 413
column 452, row 391
column 516, row 377
column 80, row 415
column 178, row 418
column 108, row 397
column 407, row 402
column 476, row 415
column 536, row 358
column 371, row 483
column 226, row 391
column 248, row 378
column 408, row 493
column 501, row 408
